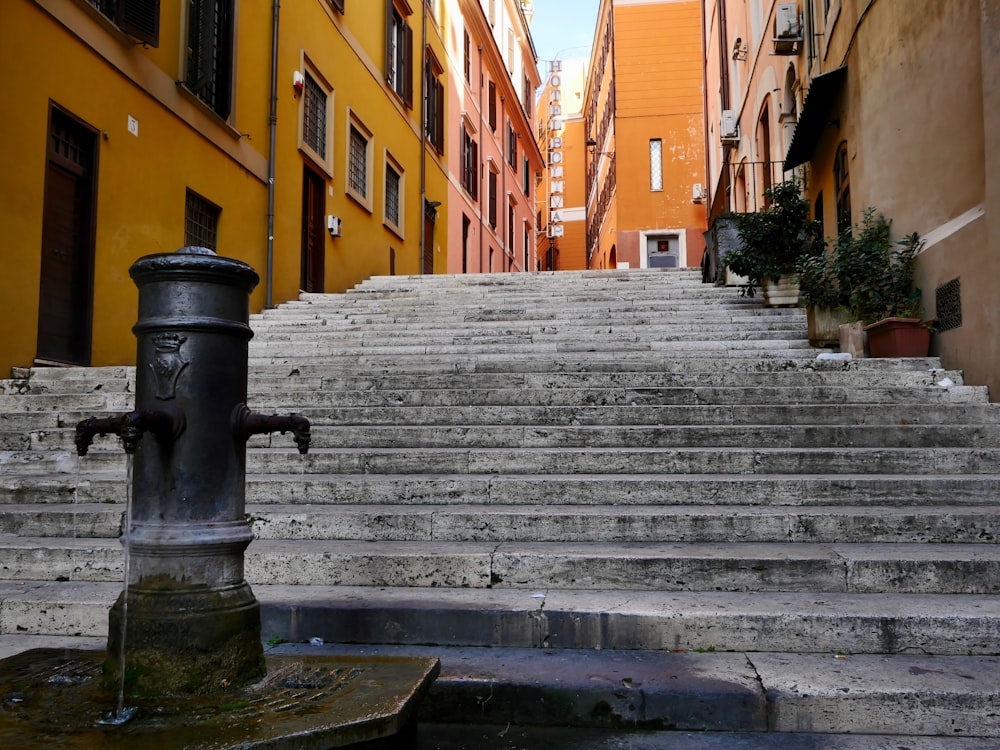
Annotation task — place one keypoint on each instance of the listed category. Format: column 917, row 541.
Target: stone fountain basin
column 54, row 698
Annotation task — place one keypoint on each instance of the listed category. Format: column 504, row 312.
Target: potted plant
column 771, row 242
column 877, row 277
column 820, row 293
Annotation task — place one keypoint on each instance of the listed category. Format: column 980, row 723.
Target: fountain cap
column 194, row 265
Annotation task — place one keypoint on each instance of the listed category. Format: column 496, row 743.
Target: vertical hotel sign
column 556, row 180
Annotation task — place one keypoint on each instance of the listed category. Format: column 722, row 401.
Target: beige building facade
column 871, row 103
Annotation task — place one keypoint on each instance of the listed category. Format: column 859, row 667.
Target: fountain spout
column 248, row 423
column 166, row 423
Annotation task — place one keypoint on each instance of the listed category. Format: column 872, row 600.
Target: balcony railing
column 744, row 184
column 740, row 190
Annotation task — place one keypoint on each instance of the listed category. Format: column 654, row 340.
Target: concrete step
column 102, row 488
column 541, row 460
column 595, row 620
column 495, row 737
column 527, row 388
column 742, row 347
column 715, row 692
column 946, row 524
column 797, row 567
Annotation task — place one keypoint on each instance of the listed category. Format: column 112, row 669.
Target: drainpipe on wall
column 271, row 153
column 479, row 169
column 423, row 139
column 505, row 231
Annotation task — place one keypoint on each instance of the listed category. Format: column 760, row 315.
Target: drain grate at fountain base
column 54, row 698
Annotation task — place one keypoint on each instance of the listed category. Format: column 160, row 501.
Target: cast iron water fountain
column 184, row 639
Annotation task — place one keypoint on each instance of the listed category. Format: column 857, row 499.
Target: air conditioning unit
column 729, row 127
column 698, row 193
column 787, row 29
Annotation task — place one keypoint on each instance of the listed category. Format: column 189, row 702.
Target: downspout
column 505, row 232
column 423, row 139
column 479, row 171
column 271, row 154
column 704, row 113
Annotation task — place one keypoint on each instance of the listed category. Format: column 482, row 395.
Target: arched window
column 764, row 152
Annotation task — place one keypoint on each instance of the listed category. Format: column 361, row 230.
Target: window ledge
column 394, row 229
column 359, row 199
column 208, row 111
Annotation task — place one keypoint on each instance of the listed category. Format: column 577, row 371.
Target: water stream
column 122, row 714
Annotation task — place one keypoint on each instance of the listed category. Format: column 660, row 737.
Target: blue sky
column 563, row 28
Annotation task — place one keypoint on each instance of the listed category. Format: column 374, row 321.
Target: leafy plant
column 875, row 275
column 772, row 240
column 818, row 282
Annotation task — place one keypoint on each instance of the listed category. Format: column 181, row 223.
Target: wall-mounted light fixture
column 740, row 50
column 592, row 145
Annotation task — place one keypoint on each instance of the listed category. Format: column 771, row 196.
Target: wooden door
column 427, row 262
column 67, row 254
column 313, row 231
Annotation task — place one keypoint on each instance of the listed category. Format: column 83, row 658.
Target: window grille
column 392, row 195
column 201, row 222
column 655, row 164
column 314, row 117
column 358, row 169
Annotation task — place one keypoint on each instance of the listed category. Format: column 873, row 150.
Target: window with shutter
column 434, row 103
column 137, row 18
column 493, row 106
column 398, row 53
column 492, row 197
column 470, row 163
column 467, row 47
column 210, row 53
column 141, row 19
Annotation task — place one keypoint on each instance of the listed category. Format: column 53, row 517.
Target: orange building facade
column 492, row 156
column 644, row 127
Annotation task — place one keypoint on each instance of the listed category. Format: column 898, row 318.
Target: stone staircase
column 626, row 472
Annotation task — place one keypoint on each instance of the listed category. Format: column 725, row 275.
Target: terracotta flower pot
column 899, row 337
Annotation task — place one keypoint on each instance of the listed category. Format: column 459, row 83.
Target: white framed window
column 315, row 107
column 655, row 164
column 359, row 161
column 394, row 192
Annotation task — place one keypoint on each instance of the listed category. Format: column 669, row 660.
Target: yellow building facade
column 643, row 111
column 311, row 140
column 105, row 154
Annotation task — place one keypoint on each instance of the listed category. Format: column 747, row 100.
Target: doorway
column 313, row 231
column 66, row 286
